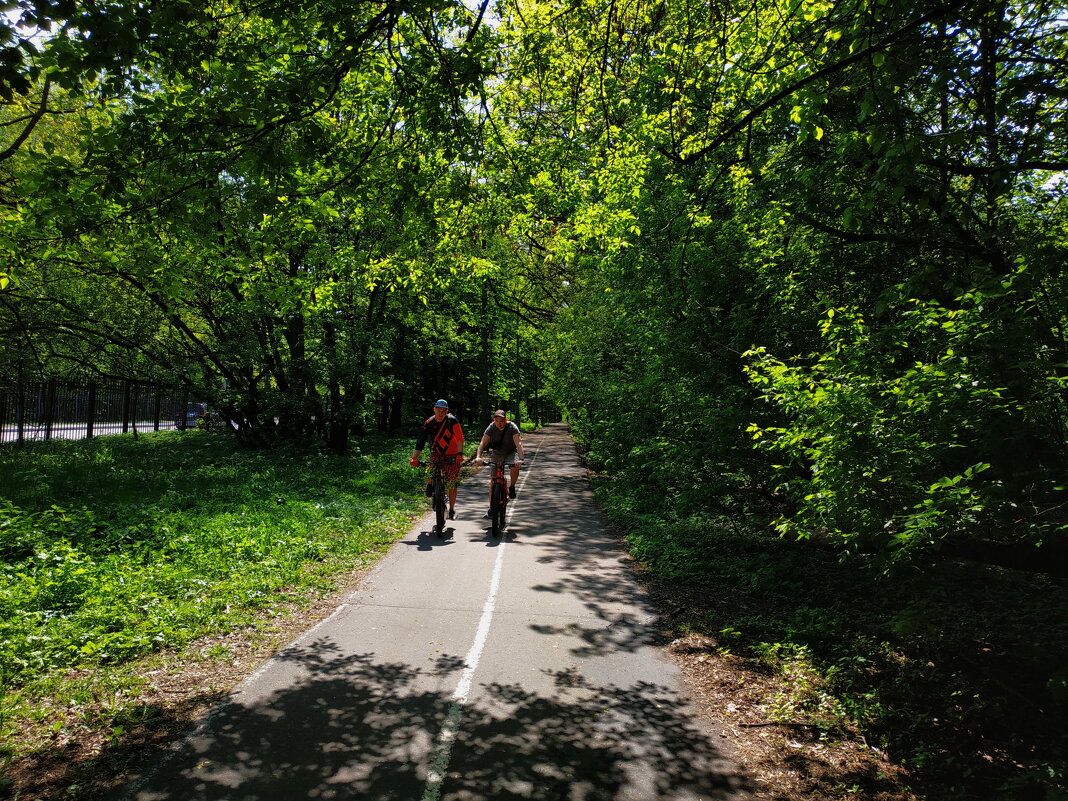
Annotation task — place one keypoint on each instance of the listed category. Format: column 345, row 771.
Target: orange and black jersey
column 447, row 438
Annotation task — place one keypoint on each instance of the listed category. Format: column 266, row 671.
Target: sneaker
column 488, row 515
column 429, row 491
column 511, row 491
column 452, row 514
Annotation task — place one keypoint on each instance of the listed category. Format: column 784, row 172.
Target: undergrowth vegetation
column 956, row 670
column 113, row 548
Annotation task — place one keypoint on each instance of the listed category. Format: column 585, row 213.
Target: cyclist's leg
column 429, row 475
column 452, row 480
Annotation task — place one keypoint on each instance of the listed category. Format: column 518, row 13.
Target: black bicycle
column 499, row 498
column 438, row 491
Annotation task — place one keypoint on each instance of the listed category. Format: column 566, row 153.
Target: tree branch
column 831, row 69
column 34, row 119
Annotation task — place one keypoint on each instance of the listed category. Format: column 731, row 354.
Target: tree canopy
column 792, row 255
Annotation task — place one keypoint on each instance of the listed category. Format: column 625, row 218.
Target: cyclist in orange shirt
column 446, row 446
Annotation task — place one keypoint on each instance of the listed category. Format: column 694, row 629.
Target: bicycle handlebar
column 432, row 464
column 464, row 463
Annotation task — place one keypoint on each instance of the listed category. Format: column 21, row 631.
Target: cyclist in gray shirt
column 502, row 437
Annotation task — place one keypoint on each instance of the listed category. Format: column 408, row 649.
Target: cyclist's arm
column 482, row 444
column 518, row 438
column 420, row 441
column 458, row 436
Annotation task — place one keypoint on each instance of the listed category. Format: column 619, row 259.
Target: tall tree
column 268, row 174
column 840, row 190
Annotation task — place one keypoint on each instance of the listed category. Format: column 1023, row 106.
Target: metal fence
column 36, row 412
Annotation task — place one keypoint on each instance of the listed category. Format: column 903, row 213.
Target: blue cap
column 442, row 404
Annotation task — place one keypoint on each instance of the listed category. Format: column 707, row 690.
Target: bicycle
column 438, row 492
column 499, row 497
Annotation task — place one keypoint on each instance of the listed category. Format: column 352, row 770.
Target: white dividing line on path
column 442, row 754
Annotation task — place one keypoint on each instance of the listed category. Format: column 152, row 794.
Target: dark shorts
column 500, row 457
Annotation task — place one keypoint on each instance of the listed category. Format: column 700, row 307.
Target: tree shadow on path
column 354, row 729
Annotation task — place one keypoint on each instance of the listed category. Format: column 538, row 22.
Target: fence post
column 3, row 414
column 125, row 407
column 135, row 405
column 90, row 411
column 49, row 404
column 156, row 407
column 20, row 413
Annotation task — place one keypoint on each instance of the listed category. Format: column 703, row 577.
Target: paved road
column 469, row 669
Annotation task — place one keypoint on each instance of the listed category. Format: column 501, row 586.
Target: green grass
column 958, row 670
column 115, row 548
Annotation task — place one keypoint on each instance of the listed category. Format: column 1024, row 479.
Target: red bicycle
column 499, row 497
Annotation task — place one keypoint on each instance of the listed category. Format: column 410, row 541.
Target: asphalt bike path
column 469, row 668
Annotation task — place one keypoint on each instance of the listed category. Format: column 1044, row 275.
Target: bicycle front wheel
column 439, row 507
column 497, row 511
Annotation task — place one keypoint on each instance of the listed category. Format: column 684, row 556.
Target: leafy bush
column 897, row 439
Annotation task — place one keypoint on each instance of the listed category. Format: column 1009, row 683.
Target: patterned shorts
column 450, row 467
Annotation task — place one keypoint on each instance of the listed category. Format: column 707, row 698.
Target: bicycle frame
column 498, row 497
column 438, row 482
